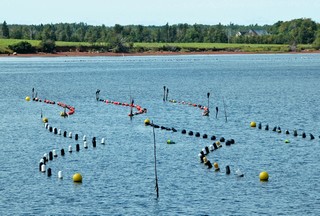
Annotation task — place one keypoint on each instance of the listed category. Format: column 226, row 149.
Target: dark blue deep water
column 118, row 177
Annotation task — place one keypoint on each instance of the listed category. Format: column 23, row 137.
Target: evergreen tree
column 5, row 30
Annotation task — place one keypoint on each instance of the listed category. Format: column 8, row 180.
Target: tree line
column 297, row 31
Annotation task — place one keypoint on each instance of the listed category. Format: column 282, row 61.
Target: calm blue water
column 118, row 177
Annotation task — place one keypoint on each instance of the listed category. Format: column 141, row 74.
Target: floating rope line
column 287, row 132
column 191, row 104
column 63, row 105
column 140, row 110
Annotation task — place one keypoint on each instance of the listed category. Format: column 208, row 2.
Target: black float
column 228, row 170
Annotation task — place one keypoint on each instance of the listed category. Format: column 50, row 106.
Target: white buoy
column 85, row 145
column 84, row 138
column 54, row 153
column 43, row 168
column 60, row 176
column 239, row 173
column 102, row 141
column 211, row 148
column 46, row 156
column 41, row 160
column 46, row 125
column 70, row 134
column 70, row 148
column 204, row 151
column 59, row 131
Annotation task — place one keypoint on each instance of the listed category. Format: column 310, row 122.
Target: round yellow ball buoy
column 77, row 177
column 216, row 165
column 264, row 176
column 218, row 143
column 147, row 121
column 205, row 160
column 170, row 142
column 27, row 98
column 45, row 120
column 63, row 114
column 253, row 124
column 287, row 141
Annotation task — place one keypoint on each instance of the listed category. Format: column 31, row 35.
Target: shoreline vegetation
column 145, row 49
column 79, row 39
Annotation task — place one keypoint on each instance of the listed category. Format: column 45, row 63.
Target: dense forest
column 297, row 31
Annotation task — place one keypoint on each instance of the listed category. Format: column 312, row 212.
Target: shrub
column 48, row 46
column 22, row 47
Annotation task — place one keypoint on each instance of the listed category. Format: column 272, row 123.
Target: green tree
column 118, row 29
column 119, row 44
column 91, row 35
column 5, row 30
column 48, row 33
column 181, row 32
column 316, row 43
column 79, row 33
column 22, row 47
column 166, row 32
column 48, row 46
column 173, row 33
column 48, row 38
column 139, row 34
column 17, row 33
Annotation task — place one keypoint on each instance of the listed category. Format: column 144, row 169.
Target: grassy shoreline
column 173, row 48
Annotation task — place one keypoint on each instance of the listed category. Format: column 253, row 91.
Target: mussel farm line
column 278, row 129
column 53, row 153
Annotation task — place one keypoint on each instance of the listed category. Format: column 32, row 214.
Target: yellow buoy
column 45, row 120
column 170, row 142
column 216, row 165
column 287, row 141
column 147, row 121
column 218, row 143
column 63, row 114
column 27, row 98
column 77, row 177
column 205, row 160
column 264, row 176
column 253, row 124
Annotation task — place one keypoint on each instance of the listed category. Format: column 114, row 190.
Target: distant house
column 252, row 32
column 241, row 33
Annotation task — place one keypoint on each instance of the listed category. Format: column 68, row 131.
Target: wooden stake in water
column 65, row 112
column 131, row 104
column 225, row 109
column 208, row 96
column 164, row 93
column 167, row 94
column 32, row 93
column 131, row 107
column 97, row 94
column 155, row 162
column 217, row 110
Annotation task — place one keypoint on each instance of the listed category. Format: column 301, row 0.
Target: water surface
column 118, row 177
